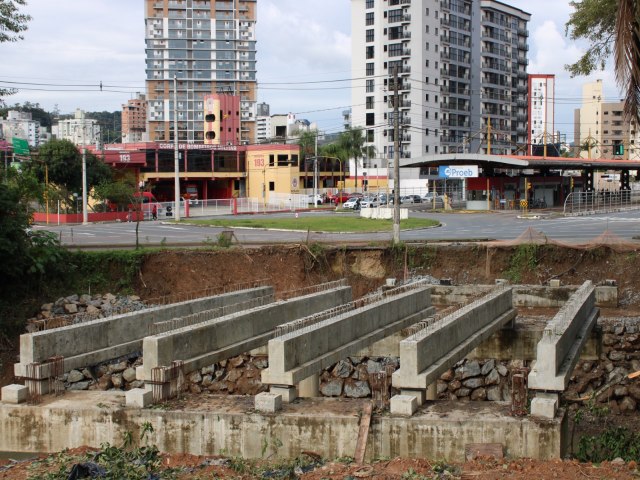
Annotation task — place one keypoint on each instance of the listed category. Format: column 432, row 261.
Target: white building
column 79, row 130
column 541, row 110
column 21, row 125
column 461, row 66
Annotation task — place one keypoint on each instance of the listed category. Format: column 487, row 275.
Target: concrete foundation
column 328, row 427
column 14, row 394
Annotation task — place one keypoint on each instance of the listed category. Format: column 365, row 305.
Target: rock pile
column 607, row 379
column 81, row 308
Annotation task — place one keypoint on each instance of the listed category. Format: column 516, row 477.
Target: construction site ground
column 181, row 273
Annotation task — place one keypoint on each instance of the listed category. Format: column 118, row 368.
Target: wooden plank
column 363, row 434
column 476, row 450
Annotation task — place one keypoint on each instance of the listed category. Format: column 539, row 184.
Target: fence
column 589, row 203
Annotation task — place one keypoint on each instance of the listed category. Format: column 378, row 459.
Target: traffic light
column 618, row 149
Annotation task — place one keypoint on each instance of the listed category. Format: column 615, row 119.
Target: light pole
column 85, row 213
column 176, row 155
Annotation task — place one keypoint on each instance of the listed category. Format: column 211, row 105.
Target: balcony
column 406, row 17
column 523, row 31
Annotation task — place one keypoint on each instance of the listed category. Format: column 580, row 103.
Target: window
column 370, row 86
column 370, row 136
column 426, row 46
column 369, row 4
column 369, row 18
column 370, row 35
column 369, row 69
column 426, row 132
column 426, row 97
column 369, row 51
column 369, row 102
column 427, row 12
column 426, row 114
column 272, row 186
column 370, row 119
column 395, row 50
column 395, row 15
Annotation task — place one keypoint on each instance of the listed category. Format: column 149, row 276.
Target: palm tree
column 335, row 150
column 353, row 142
column 627, row 54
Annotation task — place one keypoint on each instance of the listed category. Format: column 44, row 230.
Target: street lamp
column 176, row 155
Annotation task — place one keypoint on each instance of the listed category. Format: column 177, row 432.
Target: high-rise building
column 601, row 129
column 541, row 111
column 79, row 130
column 196, row 48
column 461, row 67
column 134, row 120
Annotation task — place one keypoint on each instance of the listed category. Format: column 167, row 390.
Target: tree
column 611, row 27
column 594, row 21
column 352, row 141
column 64, row 162
column 12, row 23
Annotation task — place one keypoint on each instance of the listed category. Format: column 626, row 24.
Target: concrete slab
column 288, row 394
column 544, row 407
column 14, row 394
column 403, row 405
column 138, row 398
column 268, row 402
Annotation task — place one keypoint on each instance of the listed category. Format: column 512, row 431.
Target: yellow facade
column 273, row 169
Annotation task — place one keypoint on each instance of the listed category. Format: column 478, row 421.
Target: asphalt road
column 455, row 227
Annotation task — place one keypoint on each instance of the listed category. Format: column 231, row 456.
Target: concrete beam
column 299, row 354
column 563, row 338
column 425, row 355
column 206, row 343
column 523, row 295
column 97, row 341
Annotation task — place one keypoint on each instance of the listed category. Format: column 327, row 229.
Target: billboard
column 458, row 171
column 20, row 146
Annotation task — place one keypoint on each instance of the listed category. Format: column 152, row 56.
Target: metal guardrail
column 590, row 203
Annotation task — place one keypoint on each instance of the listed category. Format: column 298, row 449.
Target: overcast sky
column 81, row 42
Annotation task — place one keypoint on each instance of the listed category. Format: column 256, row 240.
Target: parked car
column 341, row 197
column 427, row 198
column 319, row 199
column 369, row 202
column 351, row 202
column 407, row 199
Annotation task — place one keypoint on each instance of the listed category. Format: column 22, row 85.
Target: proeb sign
column 458, row 171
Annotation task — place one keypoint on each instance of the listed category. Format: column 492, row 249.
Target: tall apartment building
column 541, row 111
column 197, row 48
column 601, row 129
column 461, row 66
column 80, row 130
column 21, row 125
column 134, row 120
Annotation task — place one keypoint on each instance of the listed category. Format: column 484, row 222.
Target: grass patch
column 329, row 223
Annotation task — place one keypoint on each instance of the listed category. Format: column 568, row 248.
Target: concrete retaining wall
column 100, row 340
column 229, row 424
column 296, row 355
column 558, row 350
column 428, row 353
column 204, row 344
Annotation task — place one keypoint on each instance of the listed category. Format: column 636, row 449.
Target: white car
column 318, row 199
column 369, row 202
column 350, row 203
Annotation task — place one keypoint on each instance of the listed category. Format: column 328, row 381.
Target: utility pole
column 176, row 155
column 315, row 173
column 85, row 214
column 396, row 160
